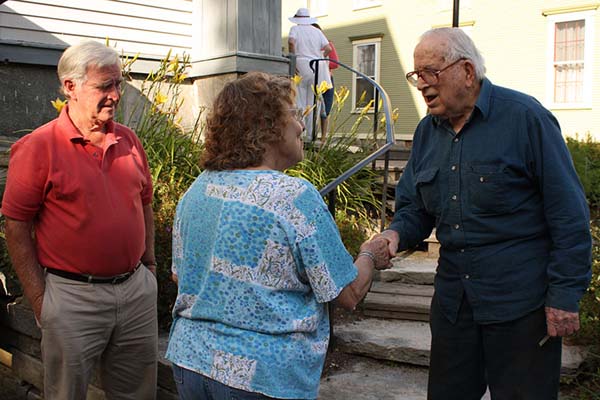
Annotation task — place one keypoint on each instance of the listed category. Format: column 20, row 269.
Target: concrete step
column 416, row 268
column 409, row 342
column 398, row 300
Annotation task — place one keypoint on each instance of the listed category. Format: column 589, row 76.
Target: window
column 365, row 60
column 569, row 60
column 358, row 4
column 569, row 41
column 318, row 8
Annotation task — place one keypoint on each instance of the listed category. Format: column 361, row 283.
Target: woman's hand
column 392, row 238
column 378, row 249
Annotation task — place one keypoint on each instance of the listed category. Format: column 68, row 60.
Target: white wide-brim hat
column 302, row 17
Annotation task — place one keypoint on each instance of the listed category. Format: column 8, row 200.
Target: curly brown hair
column 247, row 115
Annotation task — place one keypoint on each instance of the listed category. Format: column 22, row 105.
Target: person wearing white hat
column 308, row 43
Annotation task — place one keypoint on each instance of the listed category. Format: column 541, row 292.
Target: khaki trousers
column 114, row 326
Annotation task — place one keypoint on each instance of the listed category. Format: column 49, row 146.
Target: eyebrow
column 429, row 67
column 110, row 82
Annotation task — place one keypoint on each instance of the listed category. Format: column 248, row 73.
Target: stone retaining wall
column 20, row 351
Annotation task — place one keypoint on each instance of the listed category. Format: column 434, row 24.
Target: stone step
column 416, row 268
column 363, row 378
column 383, row 305
column 402, row 341
column 400, row 315
column 408, row 342
column 398, row 300
column 399, row 288
column 366, row 379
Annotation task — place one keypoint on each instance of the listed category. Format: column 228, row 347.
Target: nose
column 114, row 92
column 421, row 84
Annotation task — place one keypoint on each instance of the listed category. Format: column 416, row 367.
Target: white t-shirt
column 309, row 41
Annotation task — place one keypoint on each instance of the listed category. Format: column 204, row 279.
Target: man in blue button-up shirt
column 490, row 171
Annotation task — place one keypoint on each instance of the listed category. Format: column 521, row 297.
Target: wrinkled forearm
column 21, row 249
column 352, row 294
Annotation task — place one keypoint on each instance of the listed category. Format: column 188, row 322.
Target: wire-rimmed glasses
column 429, row 76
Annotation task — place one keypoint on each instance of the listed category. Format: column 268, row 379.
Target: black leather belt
column 114, row 280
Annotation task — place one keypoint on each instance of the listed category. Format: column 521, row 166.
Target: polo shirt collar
column 70, row 131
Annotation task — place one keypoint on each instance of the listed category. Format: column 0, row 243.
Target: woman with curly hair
column 257, row 255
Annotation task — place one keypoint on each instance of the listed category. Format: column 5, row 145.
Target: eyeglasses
column 298, row 114
column 430, row 76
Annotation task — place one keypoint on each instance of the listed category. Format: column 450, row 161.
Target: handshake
column 381, row 248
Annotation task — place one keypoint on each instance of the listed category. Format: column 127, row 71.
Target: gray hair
column 459, row 45
column 76, row 60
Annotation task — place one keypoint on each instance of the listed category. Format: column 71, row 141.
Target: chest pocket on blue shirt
column 488, row 186
column 428, row 190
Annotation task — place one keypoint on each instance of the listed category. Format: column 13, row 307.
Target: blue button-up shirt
column 508, row 208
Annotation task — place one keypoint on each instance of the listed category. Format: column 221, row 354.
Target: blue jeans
column 194, row 386
column 327, row 101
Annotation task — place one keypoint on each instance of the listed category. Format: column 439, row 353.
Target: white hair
column 76, row 60
column 459, row 45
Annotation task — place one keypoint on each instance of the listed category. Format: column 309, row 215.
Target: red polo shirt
column 86, row 203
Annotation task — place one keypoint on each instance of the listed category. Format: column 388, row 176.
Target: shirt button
column 456, row 226
column 462, row 250
column 481, row 179
column 467, row 276
column 455, row 139
column 454, row 197
column 453, row 168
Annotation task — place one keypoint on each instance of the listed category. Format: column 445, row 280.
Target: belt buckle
column 120, row 278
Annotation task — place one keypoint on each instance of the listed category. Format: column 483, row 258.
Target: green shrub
column 353, row 231
column 173, row 155
column 586, row 158
column 586, row 385
column 590, row 302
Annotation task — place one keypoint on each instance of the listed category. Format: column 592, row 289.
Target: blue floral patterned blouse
column 257, row 255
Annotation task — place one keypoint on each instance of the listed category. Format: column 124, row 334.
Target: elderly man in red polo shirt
column 81, row 183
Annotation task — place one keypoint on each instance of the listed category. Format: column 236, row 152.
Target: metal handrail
column 328, row 190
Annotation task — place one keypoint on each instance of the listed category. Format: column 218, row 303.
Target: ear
column 69, row 88
column 470, row 73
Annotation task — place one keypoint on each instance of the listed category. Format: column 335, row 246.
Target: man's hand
column 23, row 256
column 379, row 249
column 560, row 322
column 151, row 267
column 392, row 238
column 36, row 306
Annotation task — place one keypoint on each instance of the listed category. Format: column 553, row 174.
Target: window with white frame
column 318, row 8
column 366, row 60
column 569, row 77
column 358, row 4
